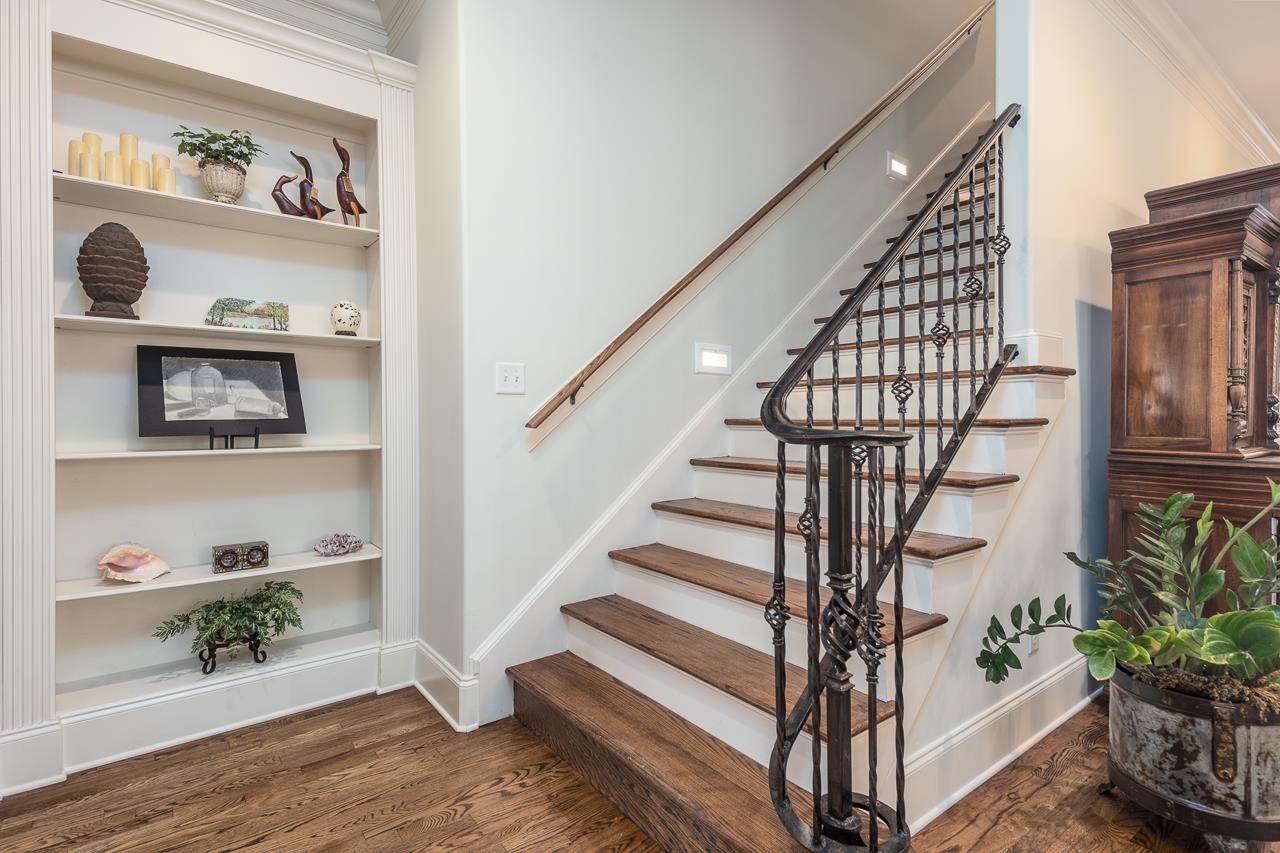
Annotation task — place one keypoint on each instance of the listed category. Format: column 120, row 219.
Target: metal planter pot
column 1209, row 765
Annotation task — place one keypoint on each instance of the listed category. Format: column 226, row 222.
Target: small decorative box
column 246, row 555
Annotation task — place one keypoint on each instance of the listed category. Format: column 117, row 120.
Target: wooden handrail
column 569, row 392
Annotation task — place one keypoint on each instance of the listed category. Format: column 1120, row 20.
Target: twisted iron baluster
column 857, row 366
column 835, row 381
column 955, row 308
column 921, row 337
column 902, row 388
column 809, row 526
column 880, row 360
column 986, row 263
column 775, row 611
column 972, row 290
column 870, row 640
column 900, row 734
column 941, row 332
column 1002, row 241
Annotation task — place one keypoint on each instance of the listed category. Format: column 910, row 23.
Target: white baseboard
column 127, row 729
column 454, row 695
column 397, row 666
column 1037, row 346
column 30, row 758
column 942, row 773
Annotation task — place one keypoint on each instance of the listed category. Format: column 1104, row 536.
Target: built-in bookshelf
column 115, row 689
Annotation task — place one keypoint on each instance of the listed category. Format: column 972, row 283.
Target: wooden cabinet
column 1195, row 392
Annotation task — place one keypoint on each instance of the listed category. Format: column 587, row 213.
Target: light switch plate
column 509, row 378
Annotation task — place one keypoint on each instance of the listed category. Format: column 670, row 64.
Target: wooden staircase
column 666, row 701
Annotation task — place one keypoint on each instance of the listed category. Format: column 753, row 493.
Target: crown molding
column 287, row 40
column 397, row 17
column 354, row 22
column 1164, row 38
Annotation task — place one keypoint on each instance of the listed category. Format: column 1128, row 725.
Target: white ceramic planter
column 223, row 181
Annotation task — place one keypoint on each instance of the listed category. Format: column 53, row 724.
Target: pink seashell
column 130, row 555
column 338, row 543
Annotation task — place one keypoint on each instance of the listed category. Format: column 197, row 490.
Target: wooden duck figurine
column 308, row 195
column 347, row 201
column 283, row 202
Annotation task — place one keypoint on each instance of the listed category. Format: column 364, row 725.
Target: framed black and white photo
column 190, row 391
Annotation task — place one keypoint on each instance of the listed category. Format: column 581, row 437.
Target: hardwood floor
column 388, row 774
column 371, row 774
column 1047, row 802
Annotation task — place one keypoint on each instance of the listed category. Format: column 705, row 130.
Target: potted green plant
column 224, row 159
column 251, row 621
column 1195, row 698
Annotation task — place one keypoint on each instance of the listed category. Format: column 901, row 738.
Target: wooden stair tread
column 928, row 277
column 872, row 309
column 963, row 223
column 921, row 543
column 751, row 585
column 686, row 788
column 954, row 479
column 735, row 669
column 978, row 334
column 870, row 381
column 847, row 423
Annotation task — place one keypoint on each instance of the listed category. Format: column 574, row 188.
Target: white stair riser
column 1013, row 397
column 743, row 727
column 989, row 450
column 732, row 618
column 893, row 324
column 755, row 549
column 952, row 511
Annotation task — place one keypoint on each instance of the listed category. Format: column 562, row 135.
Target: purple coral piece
column 338, row 544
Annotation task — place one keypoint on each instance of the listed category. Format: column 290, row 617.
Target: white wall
column 1101, row 127
column 604, row 149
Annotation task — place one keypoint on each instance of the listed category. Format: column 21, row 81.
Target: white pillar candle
column 89, row 165
column 140, row 174
column 158, row 162
column 113, row 168
column 74, row 149
column 92, row 144
column 128, row 147
column 166, row 181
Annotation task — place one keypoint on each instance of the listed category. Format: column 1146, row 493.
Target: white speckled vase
column 223, row 181
column 345, row 318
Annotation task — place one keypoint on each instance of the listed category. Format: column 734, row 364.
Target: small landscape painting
column 248, row 314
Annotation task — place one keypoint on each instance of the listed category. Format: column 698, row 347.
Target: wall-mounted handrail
column 569, row 391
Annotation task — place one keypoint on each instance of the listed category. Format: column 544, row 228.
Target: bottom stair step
column 688, row 790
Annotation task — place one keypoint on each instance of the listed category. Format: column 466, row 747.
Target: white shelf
column 110, row 325
column 135, row 455
column 172, row 679
column 125, row 199
column 199, row 575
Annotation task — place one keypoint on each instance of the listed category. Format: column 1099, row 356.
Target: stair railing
column 962, row 226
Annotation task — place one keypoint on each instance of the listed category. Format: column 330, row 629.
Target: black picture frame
column 258, row 390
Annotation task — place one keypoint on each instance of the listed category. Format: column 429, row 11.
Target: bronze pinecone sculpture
column 113, row 271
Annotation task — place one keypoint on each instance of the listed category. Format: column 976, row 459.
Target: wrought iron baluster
column 902, row 388
column 955, row 309
column 776, row 613
column 835, row 381
column 1002, row 242
column 808, row 526
column 880, row 361
column 986, row 262
column 870, row 642
column 900, row 734
column 857, row 358
column 922, row 336
column 941, row 332
column 972, row 290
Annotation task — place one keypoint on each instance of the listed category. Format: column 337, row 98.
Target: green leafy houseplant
column 1163, row 589
column 258, row 616
column 236, row 147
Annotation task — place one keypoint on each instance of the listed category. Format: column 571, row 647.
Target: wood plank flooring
column 388, row 774
column 371, row 774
